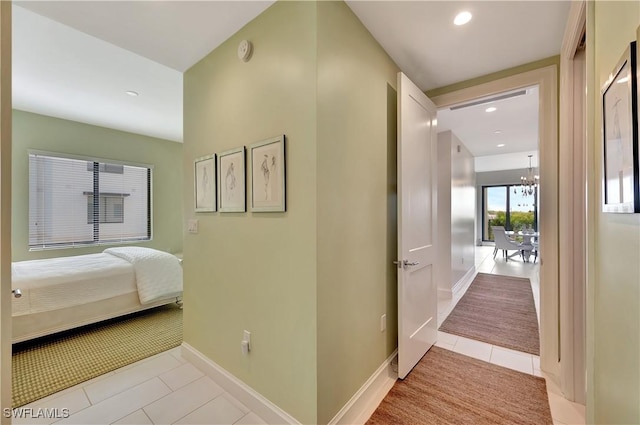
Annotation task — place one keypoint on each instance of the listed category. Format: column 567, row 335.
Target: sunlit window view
column 507, row 206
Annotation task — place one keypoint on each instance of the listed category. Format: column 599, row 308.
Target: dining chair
column 504, row 243
column 536, row 246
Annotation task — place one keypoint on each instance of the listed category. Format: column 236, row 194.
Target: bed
column 62, row 293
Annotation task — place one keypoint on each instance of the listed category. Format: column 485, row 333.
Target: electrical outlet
column 383, row 322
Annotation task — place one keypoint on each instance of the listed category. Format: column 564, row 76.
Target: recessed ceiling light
column 497, row 132
column 132, row 93
column 491, row 109
column 462, row 18
column 501, row 145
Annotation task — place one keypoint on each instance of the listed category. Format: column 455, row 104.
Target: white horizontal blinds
column 57, row 204
column 123, row 208
column 83, row 202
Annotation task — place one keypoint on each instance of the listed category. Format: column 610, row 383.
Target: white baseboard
column 258, row 404
column 365, row 401
column 465, row 280
column 444, row 294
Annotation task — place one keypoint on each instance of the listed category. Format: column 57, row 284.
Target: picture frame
column 204, row 183
column 621, row 179
column 268, row 171
column 231, row 181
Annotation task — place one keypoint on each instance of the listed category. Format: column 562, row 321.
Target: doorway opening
column 488, row 145
column 545, row 79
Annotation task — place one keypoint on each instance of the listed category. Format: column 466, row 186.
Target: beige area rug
column 449, row 388
column 50, row 364
column 498, row 310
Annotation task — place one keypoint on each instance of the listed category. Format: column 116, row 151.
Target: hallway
column 562, row 410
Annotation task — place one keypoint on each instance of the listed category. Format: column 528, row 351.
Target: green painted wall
column 613, row 288
column 357, row 240
column 257, row 271
column 310, row 283
column 33, row 131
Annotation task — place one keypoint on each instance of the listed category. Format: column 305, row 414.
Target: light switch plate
column 192, row 226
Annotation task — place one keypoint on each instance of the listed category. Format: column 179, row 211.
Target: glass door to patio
column 505, row 205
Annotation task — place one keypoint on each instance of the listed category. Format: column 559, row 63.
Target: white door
column 417, row 289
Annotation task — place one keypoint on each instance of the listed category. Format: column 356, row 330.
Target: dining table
column 527, row 241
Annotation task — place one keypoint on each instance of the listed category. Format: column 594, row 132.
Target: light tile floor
column 163, row 389
column 563, row 411
column 166, row 389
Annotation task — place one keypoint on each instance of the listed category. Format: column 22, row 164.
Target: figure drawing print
column 267, row 175
column 268, row 168
column 205, row 184
column 231, row 181
column 619, row 146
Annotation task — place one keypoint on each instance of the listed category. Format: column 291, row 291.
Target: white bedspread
column 57, row 283
column 158, row 274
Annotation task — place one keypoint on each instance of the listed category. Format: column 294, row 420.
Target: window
column 77, row 201
column 506, row 206
column 110, row 208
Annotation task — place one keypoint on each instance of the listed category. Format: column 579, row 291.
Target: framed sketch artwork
column 205, row 183
column 267, row 164
column 620, row 180
column 231, row 181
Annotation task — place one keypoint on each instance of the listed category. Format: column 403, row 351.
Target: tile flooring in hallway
column 563, row 411
column 163, row 389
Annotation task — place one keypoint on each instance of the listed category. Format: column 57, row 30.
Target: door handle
column 16, row 293
column 405, row 263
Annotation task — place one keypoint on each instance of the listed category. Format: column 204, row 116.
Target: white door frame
column 572, row 205
column 547, row 80
column 5, row 209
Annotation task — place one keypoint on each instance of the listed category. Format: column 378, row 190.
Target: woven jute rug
column 50, row 364
column 498, row 310
column 449, row 388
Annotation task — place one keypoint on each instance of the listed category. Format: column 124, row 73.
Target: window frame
column 99, row 160
column 507, row 226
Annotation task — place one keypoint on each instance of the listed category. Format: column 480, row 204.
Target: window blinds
column 77, row 202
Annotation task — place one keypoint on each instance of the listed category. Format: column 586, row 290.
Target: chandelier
column 528, row 183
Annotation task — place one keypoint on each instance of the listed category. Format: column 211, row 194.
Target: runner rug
column 498, row 310
column 449, row 388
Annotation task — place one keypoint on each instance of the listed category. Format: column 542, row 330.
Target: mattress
column 64, row 282
column 28, row 326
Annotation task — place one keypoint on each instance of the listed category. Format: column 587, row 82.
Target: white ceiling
column 176, row 34
column 64, row 73
column 514, row 124
column 78, row 58
column 421, row 38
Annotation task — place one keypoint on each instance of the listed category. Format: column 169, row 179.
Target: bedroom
column 45, row 127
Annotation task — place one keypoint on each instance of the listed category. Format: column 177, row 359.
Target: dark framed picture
column 620, row 180
column 267, row 164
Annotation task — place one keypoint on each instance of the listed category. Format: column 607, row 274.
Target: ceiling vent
column 490, row 99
